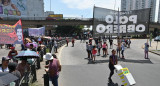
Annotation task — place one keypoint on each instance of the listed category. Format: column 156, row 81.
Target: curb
column 155, row 53
column 152, row 51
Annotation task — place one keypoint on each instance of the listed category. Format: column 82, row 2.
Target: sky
column 79, row 8
column 83, row 8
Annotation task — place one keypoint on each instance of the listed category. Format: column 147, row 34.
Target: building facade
column 48, row 13
column 127, row 5
column 35, row 9
column 159, row 13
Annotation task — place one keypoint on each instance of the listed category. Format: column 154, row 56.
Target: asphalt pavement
column 77, row 71
column 4, row 51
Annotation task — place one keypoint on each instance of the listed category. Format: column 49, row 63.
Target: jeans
column 111, row 67
column 146, row 54
column 122, row 52
column 53, row 80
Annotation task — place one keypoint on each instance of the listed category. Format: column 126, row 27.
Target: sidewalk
column 41, row 71
column 153, row 47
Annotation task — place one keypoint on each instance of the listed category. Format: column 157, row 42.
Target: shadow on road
column 122, row 60
column 112, row 84
column 136, row 61
column 98, row 61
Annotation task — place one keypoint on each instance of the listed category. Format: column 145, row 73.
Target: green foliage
column 69, row 30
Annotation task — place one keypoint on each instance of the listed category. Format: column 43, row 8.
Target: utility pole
column 50, row 5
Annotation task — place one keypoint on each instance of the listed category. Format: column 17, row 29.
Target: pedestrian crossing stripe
column 122, row 77
column 120, row 74
column 125, row 84
column 123, row 81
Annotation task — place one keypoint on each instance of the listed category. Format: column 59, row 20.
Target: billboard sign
column 11, row 34
column 36, row 31
column 56, row 16
column 13, row 7
column 108, row 22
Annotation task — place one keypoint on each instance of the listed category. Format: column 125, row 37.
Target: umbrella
column 28, row 40
column 34, row 45
column 27, row 54
column 6, row 78
column 47, row 37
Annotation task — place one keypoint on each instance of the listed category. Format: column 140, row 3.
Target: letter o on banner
column 109, row 19
column 100, row 28
column 140, row 28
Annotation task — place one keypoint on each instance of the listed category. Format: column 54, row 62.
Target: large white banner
column 13, row 7
column 107, row 22
column 36, row 31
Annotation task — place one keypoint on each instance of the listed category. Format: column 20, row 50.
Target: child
column 94, row 52
column 104, row 49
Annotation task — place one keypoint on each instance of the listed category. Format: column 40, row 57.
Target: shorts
column 118, row 49
column 94, row 54
column 104, row 49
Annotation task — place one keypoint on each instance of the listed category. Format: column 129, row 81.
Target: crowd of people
column 94, row 48
column 19, row 67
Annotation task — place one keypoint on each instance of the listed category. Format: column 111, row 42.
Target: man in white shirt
column 4, row 67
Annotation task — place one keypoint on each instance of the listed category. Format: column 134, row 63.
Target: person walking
column 72, row 42
column 146, row 49
column 112, row 61
column 55, row 46
column 4, row 66
column 54, row 68
column 122, row 50
column 12, row 53
column 94, row 52
column 129, row 43
column 118, row 47
column 67, row 41
column 104, row 46
column 87, row 49
column 90, row 47
column 99, row 48
column 111, row 43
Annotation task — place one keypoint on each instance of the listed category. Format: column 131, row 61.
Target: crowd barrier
column 46, row 76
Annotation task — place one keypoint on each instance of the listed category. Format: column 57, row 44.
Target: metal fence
column 30, row 77
column 46, row 76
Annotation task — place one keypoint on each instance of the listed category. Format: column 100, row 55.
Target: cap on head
column 5, row 58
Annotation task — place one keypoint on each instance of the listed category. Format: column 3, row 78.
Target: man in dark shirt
column 31, row 48
column 12, row 69
column 112, row 61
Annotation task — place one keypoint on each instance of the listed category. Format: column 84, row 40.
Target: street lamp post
column 50, row 5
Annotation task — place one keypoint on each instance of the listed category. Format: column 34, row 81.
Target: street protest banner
column 13, row 7
column 11, row 34
column 36, row 31
column 111, row 22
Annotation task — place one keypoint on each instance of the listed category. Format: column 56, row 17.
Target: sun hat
column 48, row 56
